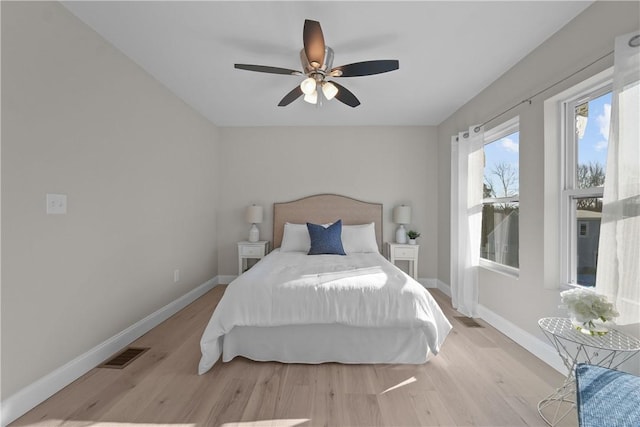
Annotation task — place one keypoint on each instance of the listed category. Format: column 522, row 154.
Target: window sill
column 500, row 268
column 567, row 286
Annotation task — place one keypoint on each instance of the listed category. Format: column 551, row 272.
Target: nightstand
column 402, row 252
column 249, row 250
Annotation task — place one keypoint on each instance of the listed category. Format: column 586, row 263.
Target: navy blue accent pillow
column 326, row 241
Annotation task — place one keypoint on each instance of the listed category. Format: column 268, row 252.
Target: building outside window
column 500, row 240
column 586, row 138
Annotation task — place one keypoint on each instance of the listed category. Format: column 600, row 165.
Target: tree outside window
column 500, row 214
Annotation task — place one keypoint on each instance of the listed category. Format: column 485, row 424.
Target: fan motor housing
column 309, row 68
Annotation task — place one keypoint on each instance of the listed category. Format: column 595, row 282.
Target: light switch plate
column 56, row 204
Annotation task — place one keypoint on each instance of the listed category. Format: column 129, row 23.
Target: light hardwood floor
column 480, row 378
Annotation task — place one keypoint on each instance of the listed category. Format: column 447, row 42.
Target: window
column 583, row 228
column 585, row 158
column 499, row 244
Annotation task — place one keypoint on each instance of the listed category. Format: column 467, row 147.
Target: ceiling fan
column 317, row 60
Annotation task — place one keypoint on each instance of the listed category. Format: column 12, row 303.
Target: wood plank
column 480, row 377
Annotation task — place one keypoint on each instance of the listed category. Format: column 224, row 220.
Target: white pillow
column 295, row 238
column 359, row 238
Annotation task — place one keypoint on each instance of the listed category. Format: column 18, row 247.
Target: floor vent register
column 124, row 358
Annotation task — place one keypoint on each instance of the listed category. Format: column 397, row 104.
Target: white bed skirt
column 326, row 343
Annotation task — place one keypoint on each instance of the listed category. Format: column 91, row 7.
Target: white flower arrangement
column 585, row 306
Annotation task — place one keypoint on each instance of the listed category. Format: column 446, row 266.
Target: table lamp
column 401, row 215
column 253, row 215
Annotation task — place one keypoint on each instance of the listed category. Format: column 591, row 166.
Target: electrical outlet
column 56, row 204
column 176, row 276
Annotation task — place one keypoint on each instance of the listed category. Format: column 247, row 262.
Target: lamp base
column 401, row 235
column 254, row 233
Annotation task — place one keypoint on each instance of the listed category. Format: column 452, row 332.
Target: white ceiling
column 448, row 51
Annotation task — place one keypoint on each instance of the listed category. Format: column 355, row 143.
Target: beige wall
column 523, row 301
column 138, row 167
column 390, row 165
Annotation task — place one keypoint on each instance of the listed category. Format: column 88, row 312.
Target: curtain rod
column 529, row 99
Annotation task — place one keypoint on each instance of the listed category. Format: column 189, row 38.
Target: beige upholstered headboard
column 325, row 208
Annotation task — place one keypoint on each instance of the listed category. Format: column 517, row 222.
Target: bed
column 293, row 307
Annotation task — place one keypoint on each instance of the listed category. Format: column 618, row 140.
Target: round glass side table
column 609, row 350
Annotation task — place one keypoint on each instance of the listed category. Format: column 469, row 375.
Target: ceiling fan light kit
column 317, row 59
column 311, row 98
column 308, row 85
column 329, row 90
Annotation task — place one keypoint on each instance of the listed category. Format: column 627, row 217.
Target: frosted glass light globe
column 329, row 90
column 312, row 98
column 308, row 86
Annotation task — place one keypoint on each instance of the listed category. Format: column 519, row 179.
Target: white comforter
column 287, row 288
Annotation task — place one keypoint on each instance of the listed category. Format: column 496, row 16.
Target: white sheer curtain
column 618, row 274
column 467, row 169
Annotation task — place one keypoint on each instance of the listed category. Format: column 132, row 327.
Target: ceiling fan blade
column 366, row 68
column 267, row 69
column 345, row 96
column 291, row 96
column 313, row 42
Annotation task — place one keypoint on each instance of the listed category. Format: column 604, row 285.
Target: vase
column 591, row 327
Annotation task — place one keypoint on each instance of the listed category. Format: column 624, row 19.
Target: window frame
column 490, row 136
column 569, row 191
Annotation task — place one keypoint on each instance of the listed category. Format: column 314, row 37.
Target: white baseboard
column 427, row 283
column 37, row 392
column 226, row 279
column 531, row 343
column 446, row 289
column 436, row 284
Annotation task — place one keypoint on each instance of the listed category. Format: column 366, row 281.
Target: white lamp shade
column 329, row 90
column 402, row 214
column 308, row 86
column 253, row 214
column 311, row 98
